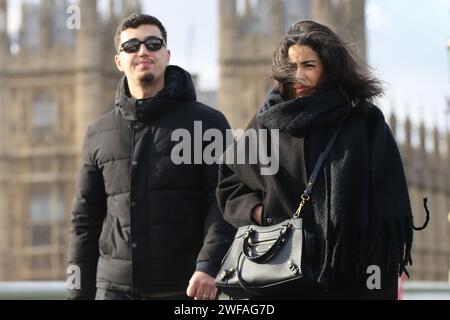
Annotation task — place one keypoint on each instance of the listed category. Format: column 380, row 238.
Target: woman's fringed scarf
column 360, row 201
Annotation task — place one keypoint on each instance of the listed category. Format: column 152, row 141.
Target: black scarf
column 361, row 194
column 297, row 115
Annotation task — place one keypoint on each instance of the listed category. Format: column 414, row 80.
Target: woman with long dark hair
column 358, row 227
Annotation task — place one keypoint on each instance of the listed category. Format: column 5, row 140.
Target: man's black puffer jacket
column 142, row 224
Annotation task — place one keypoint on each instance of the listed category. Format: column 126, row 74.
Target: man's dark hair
column 136, row 20
column 341, row 68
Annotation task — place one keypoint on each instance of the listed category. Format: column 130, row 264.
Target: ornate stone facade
column 57, row 83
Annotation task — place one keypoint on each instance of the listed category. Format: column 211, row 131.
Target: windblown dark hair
column 341, row 69
column 134, row 21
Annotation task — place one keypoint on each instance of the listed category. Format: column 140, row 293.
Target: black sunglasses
column 152, row 43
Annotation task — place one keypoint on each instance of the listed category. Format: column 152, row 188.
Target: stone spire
column 393, row 125
column 408, row 135
column 23, row 31
column 111, row 26
column 447, row 140
column 4, row 52
column 321, row 12
column 248, row 8
column 89, row 51
column 227, row 56
column 422, row 139
column 45, row 25
column 436, row 143
column 277, row 28
column 4, row 39
column 111, row 10
column 344, row 17
column 356, row 25
column 228, row 19
column 130, row 6
column 3, row 16
column 87, row 43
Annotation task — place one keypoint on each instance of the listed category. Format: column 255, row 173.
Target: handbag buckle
column 248, row 233
column 293, row 267
column 225, row 273
column 285, row 229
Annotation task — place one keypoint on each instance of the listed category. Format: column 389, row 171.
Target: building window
column 40, row 235
column 44, row 113
column 45, row 211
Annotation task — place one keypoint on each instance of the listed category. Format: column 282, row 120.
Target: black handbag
column 266, row 262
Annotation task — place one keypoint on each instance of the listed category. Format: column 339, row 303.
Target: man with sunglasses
column 143, row 227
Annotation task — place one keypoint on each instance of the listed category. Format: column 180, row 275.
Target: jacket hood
column 178, row 87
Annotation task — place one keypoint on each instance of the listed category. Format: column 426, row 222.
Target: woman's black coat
column 359, row 214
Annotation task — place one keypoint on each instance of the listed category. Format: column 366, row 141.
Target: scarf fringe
column 407, row 259
column 400, row 249
column 427, row 216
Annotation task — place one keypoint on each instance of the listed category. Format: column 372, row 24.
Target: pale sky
column 406, row 46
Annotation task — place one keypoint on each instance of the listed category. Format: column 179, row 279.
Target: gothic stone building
column 54, row 82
